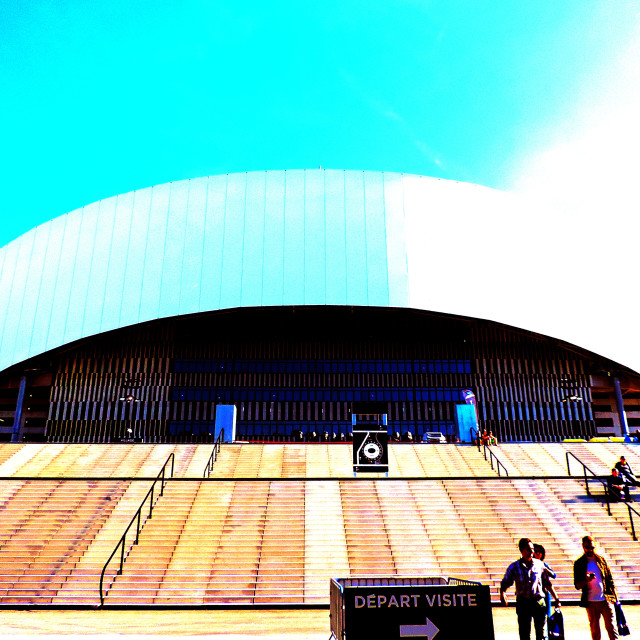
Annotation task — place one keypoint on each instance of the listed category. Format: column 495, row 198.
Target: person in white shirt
column 592, row 575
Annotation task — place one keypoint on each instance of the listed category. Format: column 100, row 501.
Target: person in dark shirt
column 624, row 469
column 531, row 580
column 618, row 491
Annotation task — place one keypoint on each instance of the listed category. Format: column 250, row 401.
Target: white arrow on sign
column 428, row 630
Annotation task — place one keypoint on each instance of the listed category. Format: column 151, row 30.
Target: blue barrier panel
column 465, row 421
column 226, row 419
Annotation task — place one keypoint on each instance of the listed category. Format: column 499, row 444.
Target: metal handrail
column 492, row 457
column 214, row 454
column 586, row 478
column 140, row 524
column 584, row 469
column 475, row 439
column 633, row 529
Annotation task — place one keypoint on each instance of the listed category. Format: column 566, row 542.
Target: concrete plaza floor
column 234, row 625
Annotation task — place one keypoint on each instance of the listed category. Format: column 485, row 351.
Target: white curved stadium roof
column 307, row 237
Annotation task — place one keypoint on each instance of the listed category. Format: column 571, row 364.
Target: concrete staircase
column 276, row 521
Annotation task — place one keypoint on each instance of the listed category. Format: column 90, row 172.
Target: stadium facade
column 290, row 294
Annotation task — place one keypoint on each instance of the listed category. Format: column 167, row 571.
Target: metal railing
column 139, row 523
column 631, row 512
column 605, row 485
column 493, row 457
column 214, row 454
column 586, row 469
column 475, row 436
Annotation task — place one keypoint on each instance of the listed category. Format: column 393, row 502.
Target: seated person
column 408, row 437
column 492, row 439
column 485, row 438
column 625, row 472
column 617, row 487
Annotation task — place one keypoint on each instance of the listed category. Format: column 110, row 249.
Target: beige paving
column 234, row 625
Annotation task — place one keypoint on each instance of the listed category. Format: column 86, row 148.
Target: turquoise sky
column 99, row 98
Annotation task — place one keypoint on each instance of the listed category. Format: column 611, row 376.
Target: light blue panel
column 9, row 260
column 64, row 280
column 230, row 292
column 53, row 252
column 95, row 301
column 134, row 271
column 314, row 239
column 173, row 249
column 154, row 256
column 81, row 273
column 466, row 420
column 212, row 243
column 32, row 290
column 11, row 339
column 116, row 294
column 294, row 239
column 397, row 267
column 193, row 247
column 357, row 289
column 376, row 241
column 336, row 236
column 5, row 283
column 253, row 249
column 273, row 269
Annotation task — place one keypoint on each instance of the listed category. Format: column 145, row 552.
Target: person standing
column 591, row 575
column 540, row 553
column 531, row 580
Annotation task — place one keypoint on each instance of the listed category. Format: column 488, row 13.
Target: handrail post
column 586, row 481
column 162, row 481
column 121, row 557
column 138, row 525
column 566, row 455
column 217, row 447
column 633, row 529
column 151, row 501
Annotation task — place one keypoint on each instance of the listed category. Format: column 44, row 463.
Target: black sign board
column 370, row 451
column 445, row 612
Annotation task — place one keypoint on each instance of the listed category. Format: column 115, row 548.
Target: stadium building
column 289, row 294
